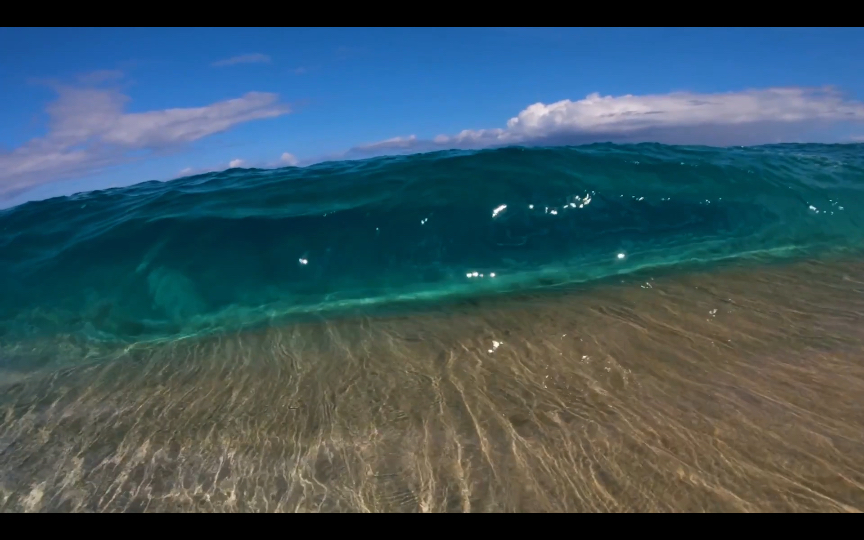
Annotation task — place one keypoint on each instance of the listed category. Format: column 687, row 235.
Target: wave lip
column 225, row 249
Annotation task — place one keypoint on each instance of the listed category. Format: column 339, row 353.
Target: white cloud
column 255, row 58
column 391, row 144
column 186, row 171
column 289, row 159
column 234, row 163
column 628, row 113
column 746, row 117
column 89, row 129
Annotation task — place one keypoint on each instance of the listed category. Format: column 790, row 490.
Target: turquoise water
column 219, row 251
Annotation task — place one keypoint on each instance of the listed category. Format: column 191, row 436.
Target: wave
column 223, row 250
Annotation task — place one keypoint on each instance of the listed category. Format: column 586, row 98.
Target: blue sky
column 93, row 108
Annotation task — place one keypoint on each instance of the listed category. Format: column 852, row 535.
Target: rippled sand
column 727, row 391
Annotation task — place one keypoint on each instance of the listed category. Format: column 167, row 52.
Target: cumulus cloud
column 748, row 117
column 289, row 159
column 255, row 58
column 629, row 113
column 234, row 163
column 89, row 129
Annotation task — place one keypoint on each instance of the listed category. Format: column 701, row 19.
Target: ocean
column 594, row 328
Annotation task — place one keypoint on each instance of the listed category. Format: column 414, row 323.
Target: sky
column 86, row 109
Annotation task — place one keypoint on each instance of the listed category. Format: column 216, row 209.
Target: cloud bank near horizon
column 760, row 116
column 89, row 129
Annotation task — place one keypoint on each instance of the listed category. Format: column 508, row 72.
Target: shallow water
column 732, row 390
column 603, row 328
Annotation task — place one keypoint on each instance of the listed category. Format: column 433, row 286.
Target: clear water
column 226, row 250
column 332, row 339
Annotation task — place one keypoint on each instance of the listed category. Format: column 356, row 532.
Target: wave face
column 222, row 250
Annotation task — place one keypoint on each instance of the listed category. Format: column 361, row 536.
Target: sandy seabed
column 736, row 390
